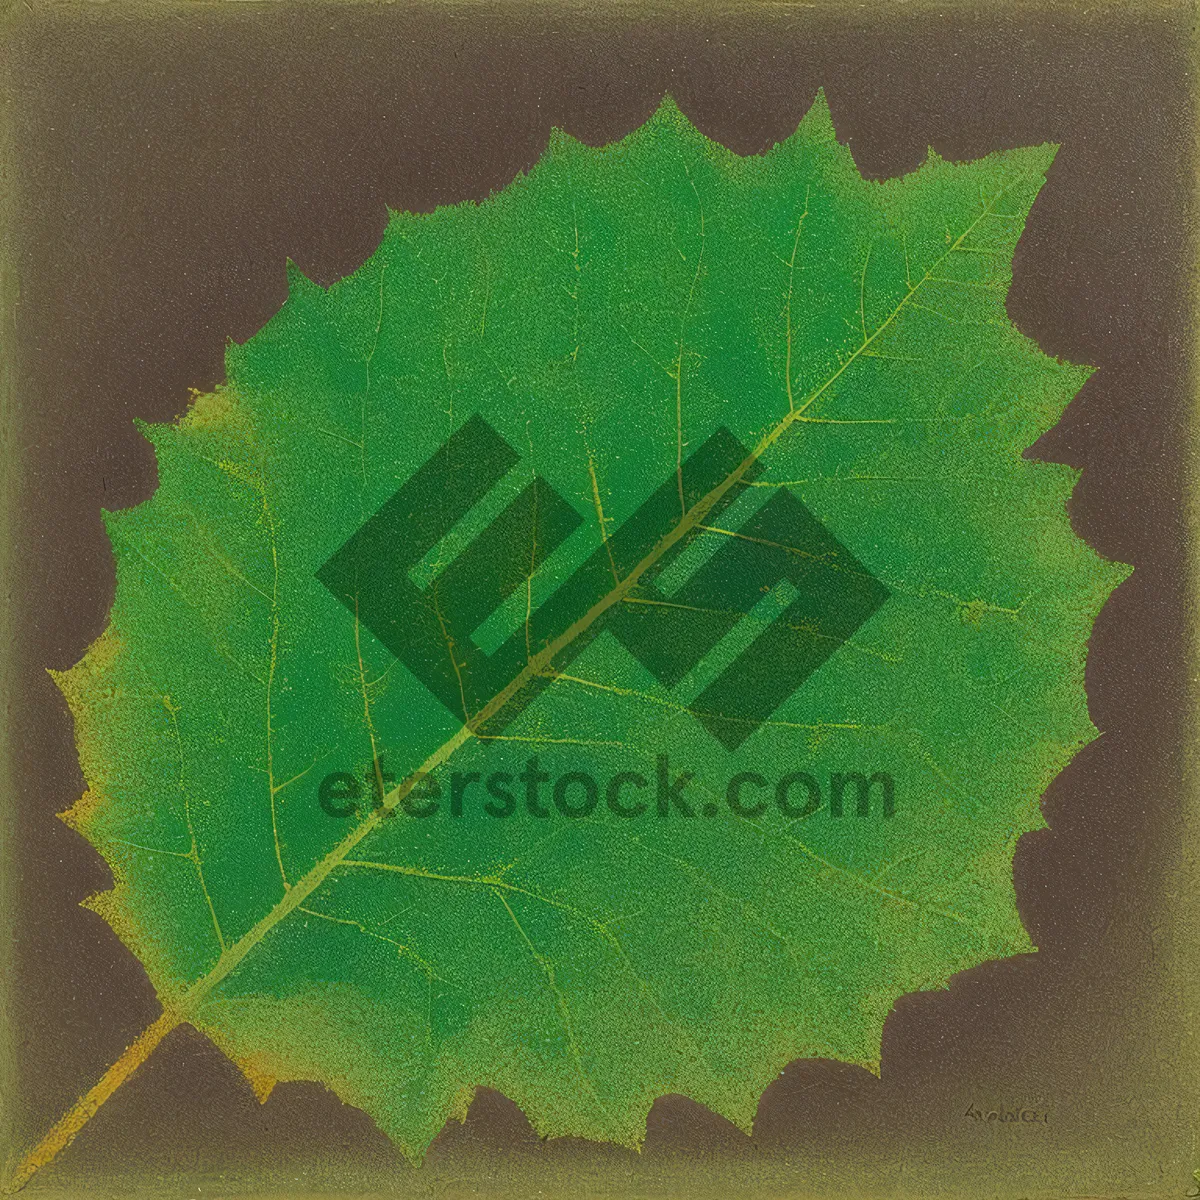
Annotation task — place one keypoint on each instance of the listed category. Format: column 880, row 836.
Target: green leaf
column 617, row 385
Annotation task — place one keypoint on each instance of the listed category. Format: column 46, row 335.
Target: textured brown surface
column 169, row 162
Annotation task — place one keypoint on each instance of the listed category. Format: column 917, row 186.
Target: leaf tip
column 210, row 410
column 668, row 109
column 817, row 124
column 104, row 905
column 1032, row 161
column 262, row 1082
column 668, row 116
column 297, row 282
column 561, row 140
column 78, row 815
column 1050, row 150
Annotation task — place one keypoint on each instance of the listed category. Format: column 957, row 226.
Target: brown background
column 170, row 159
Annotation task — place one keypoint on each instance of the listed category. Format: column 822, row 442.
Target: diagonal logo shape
column 782, row 549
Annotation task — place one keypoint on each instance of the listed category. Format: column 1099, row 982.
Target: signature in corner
column 1007, row 1116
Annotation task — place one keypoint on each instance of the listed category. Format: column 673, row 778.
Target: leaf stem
column 63, row 1132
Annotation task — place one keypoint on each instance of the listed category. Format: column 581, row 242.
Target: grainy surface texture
column 170, row 165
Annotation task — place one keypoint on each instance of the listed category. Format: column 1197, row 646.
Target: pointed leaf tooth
column 298, row 283
column 816, row 126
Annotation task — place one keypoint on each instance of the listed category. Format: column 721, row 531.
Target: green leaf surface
column 606, row 317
